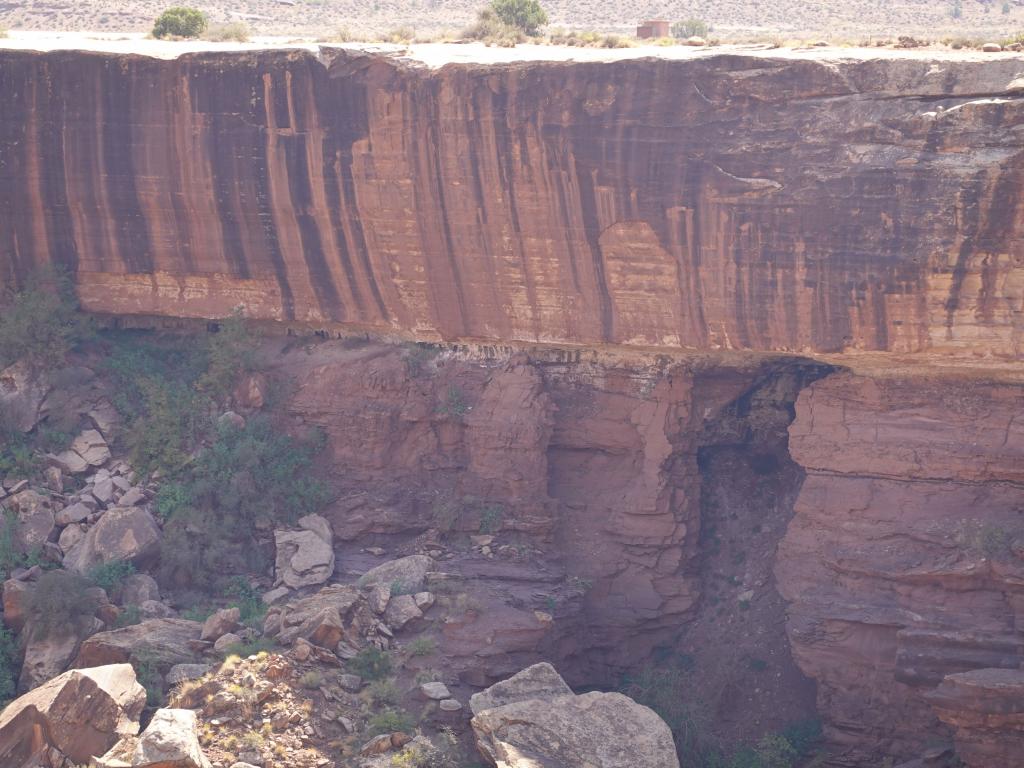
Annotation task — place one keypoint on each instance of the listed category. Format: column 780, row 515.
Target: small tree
column 180, row 22
column 525, row 15
column 689, row 28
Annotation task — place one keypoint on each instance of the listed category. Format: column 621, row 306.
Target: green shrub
column 689, row 28
column 525, row 15
column 129, row 616
column 383, row 692
column 389, row 721
column 229, row 352
column 16, row 454
column 180, row 22
column 251, row 607
column 60, row 602
column 422, row 646
column 491, row 517
column 248, row 474
column 165, row 436
column 311, row 679
column 8, row 666
column 236, row 31
column 489, row 28
column 454, row 403
column 147, row 672
column 371, row 663
column 41, row 323
column 110, row 575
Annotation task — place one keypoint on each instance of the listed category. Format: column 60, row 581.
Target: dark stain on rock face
column 791, row 204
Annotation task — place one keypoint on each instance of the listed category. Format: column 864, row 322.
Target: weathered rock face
column 986, row 709
column 79, row 714
column 904, row 560
column 768, row 201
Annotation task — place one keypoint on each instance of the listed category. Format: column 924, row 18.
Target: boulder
column 402, row 610
column 47, row 655
column 70, row 536
column 138, row 588
column 220, row 623
column 318, row 618
column 16, row 594
column 70, row 462
column 80, row 714
column 132, row 497
column 605, row 730
column 991, row 47
column 22, row 395
column 33, row 520
column 73, row 513
column 162, row 642
column 305, row 557
column 122, row 533
column 225, row 641
column 154, row 609
column 170, row 741
column 91, row 446
column 408, row 572
column 181, row 673
column 435, row 691
column 539, row 681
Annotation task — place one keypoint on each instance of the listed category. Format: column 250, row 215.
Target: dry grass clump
column 232, row 31
column 589, row 39
column 490, row 29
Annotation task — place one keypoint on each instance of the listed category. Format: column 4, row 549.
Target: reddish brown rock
column 80, row 714
column 646, row 202
column 901, row 563
column 985, row 708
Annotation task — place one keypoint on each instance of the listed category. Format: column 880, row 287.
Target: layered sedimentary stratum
column 743, row 201
column 810, row 203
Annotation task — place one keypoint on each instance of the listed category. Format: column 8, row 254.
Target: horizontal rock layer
column 905, row 559
column 733, row 201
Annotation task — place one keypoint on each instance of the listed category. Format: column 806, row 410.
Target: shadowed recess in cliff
column 735, row 202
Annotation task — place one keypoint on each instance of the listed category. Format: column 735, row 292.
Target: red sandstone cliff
column 740, row 202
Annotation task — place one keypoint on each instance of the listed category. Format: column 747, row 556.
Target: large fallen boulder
column 121, row 534
column 408, row 574
column 323, row 618
column 22, row 395
column 305, row 557
column 597, row 730
column 33, row 519
column 161, row 642
column 169, row 741
column 78, row 715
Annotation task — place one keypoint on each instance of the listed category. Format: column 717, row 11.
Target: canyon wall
column 904, row 562
column 765, row 201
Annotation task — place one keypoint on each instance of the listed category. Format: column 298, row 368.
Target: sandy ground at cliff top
column 439, row 54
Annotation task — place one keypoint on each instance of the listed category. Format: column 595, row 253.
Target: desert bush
column 404, row 34
column 389, row 721
column 383, row 692
column 423, row 645
column 229, row 353
column 454, row 404
column 16, row 455
column 525, row 15
column 8, row 666
column 60, row 601
column 41, row 323
column 110, row 575
column 493, row 31
column 248, row 474
column 689, row 28
column 311, row 679
column 180, row 21
column 237, row 31
column 371, row 663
